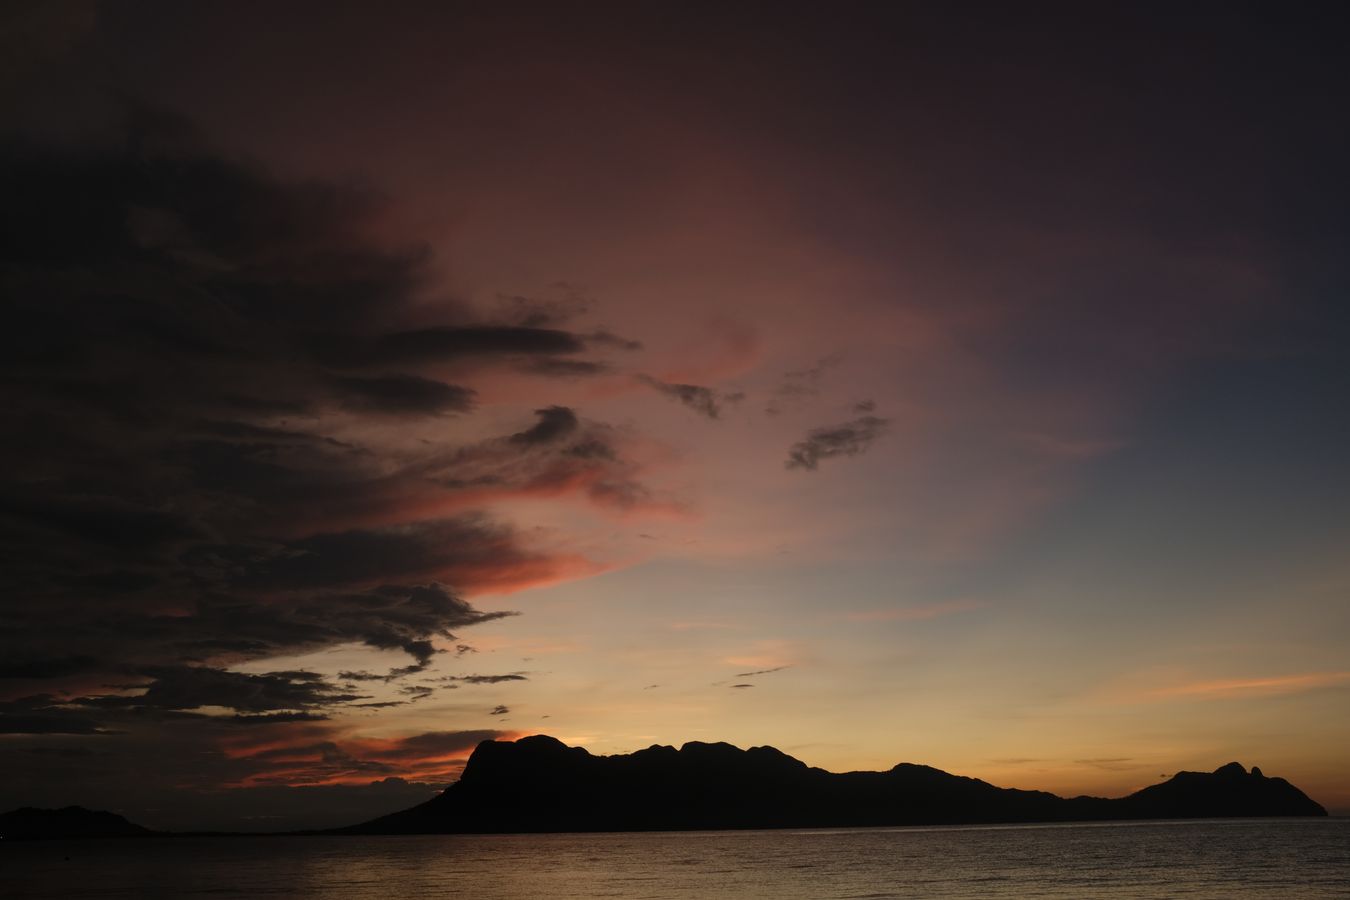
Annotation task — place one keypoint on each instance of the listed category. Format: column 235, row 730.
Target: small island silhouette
column 30, row 823
column 539, row 784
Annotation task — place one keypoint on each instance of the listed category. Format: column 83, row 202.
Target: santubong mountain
column 540, row 784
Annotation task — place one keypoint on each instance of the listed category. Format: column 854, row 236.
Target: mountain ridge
column 538, row 784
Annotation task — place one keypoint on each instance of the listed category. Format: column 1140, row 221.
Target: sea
column 1229, row 859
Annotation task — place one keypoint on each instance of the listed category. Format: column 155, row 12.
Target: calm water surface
column 1219, row 859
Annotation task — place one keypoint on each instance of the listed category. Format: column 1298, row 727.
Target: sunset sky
column 959, row 384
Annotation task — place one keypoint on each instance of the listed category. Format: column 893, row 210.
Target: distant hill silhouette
column 539, row 784
column 30, row 823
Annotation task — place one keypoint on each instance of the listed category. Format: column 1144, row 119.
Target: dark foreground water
column 1219, row 859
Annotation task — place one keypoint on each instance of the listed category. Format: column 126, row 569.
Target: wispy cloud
column 703, row 400
column 914, row 613
column 1254, row 687
column 762, row 671
column 846, row 439
column 767, row 654
column 1111, row 763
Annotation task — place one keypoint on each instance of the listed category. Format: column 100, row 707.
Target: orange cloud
column 324, row 756
column 492, row 578
column 1259, row 687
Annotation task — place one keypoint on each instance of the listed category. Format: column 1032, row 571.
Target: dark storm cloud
column 44, row 714
column 443, row 344
column 403, row 395
column 409, row 551
column 702, row 400
column 236, row 626
column 848, row 439
column 51, row 667
column 192, row 687
column 184, row 334
column 165, row 695
column 108, row 522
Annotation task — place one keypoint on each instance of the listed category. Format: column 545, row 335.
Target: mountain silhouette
column 30, row 823
column 539, row 784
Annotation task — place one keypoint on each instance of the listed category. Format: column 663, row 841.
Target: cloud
column 185, row 778
column 453, row 549
column 541, row 312
column 217, row 384
column 51, row 667
column 441, row 344
column 487, row 679
column 194, row 687
column 560, row 454
column 1111, row 763
column 800, row 385
column 403, row 395
column 385, row 617
column 337, row 758
column 535, row 312
column 431, row 745
column 611, row 341
column 555, row 422
column 551, row 367
column 499, row 711
column 762, row 671
column 848, row 439
column 43, row 714
column 1255, row 687
column 920, row 613
column 702, row 400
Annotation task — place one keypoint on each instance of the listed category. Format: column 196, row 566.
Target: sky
column 954, row 384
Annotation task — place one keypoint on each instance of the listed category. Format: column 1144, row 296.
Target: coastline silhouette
column 539, row 784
